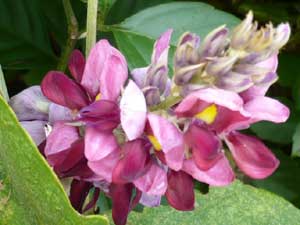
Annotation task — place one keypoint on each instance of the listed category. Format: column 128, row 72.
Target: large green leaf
column 32, row 193
column 237, row 204
column 24, row 42
column 136, row 35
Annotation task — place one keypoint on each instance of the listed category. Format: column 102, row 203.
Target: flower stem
column 72, row 35
column 91, row 25
column 167, row 103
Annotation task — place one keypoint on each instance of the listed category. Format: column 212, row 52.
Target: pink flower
column 216, row 114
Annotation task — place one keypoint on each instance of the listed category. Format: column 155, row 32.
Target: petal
column 198, row 100
column 251, row 155
column 30, row 104
column 60, row 138
column 167, row 134
column 36, row 129
column 76, row 64
column 220, row 174
column 98, row 144
column 74, row 155
column 271, row 63
column 94, row 67
column 265, row 108
column 121, row 198
column 150, row 200
column 161, row 47
column 61, row 90
column 154, row 182
column 139, row 76
column 105, row 71
column 104, row 167
column 59, row 113
column 205, row 146
column 228, row 120
column 113, row 77
column 180, row 192
column 78, row 193
column 101, row 109
column 133, row 111
column 134, row 163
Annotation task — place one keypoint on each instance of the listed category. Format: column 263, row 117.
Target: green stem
column 167, row 103
column 91, row 25
column 72, row 35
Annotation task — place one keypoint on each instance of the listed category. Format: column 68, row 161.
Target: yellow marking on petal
column 98, row 97
column 155, row 143
column 208, row 115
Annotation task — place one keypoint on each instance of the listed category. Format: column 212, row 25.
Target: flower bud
column 214, row 43
column 221, row 66
column 187, row 50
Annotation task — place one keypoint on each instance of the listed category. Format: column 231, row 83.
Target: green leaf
column 286, row 180
column 24, row 41
column 137, row 34
column 296, row 142
column 34, row 195
column 3, row 88
column 233, row 205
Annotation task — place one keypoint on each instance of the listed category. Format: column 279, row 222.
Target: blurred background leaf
column 136, row 35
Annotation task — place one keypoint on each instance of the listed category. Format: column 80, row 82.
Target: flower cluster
column 143, row 138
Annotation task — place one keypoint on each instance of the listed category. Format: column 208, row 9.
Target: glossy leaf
column 232, row 205
column 34, row 194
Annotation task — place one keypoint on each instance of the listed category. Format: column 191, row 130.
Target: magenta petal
column 167, row 134
column 180, row 192
column 134, row 163
column 104, row 167
column 74, row 155
column 76, row 65
column 113, row 77
column 61, row 90
column 220, row 174
column 251, row 155
column 102, row 109
column 94, row 67
column 161, row 47
column 30, row 104
column 60, row 138
column 121, row 198
column 105, row 71
column 36, row 129
column 205, row 146
column 174, row 158
column 154, row 182
column 98, row 144
column 133, row 111
column 228, row 120
column 265, row 108
column 78, row 192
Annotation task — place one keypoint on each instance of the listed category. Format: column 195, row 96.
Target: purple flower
column 153, row 80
